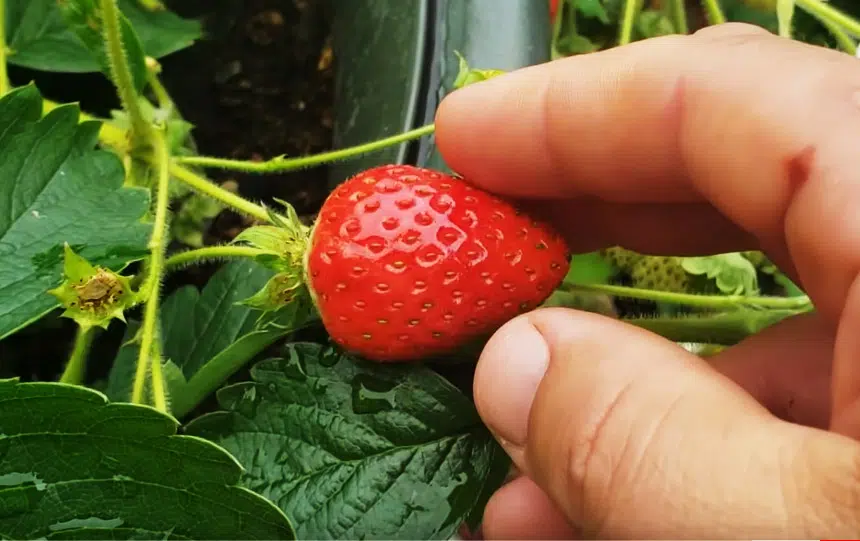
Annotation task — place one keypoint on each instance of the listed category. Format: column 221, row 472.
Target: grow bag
column 396, row 61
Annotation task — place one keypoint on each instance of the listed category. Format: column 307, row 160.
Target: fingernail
column 509, row 371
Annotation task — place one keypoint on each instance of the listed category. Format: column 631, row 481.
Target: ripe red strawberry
column 404, row 263
column 553, row 9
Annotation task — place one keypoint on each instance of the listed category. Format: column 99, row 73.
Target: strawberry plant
column 315, row 383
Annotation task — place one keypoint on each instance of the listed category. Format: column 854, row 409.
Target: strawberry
column 405, row 262
column 553, row 9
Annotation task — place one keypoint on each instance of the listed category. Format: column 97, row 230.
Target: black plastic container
column 396, row 62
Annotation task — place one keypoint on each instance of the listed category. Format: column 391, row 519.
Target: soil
column 259, row 85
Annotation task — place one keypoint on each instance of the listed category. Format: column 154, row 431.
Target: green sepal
column 92, row 296
column 285, row 242
column 281, row 289
column 467, row 76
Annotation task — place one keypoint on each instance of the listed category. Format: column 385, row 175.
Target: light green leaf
column 356, row 450
column 84, row 18
column 733, row 273
column 208, row 330
column 56, row 188
column 590, row 268
column 39, row 38
column 76, row 467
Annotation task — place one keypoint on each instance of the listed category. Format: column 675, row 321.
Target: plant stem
column 159, row 393
column 152, row 286
column 679, row 14
column 120, row 72
column 210, row 253
column 845, row 42
column 631, row 9
column 153, row 68
column 724, row 329
column 715, row 302
column 4, row 70
column 714, row 11
column 824, row 11
column 785, row 17
column 77, row 365
column 281, row 164
column 209, row 189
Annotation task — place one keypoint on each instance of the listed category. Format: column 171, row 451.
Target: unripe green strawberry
column 404, row 263
column 660, row 273
column 621, row 258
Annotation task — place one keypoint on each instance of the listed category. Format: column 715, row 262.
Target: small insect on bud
column 92, row 296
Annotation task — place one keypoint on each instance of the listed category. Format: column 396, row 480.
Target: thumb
column 632, row 436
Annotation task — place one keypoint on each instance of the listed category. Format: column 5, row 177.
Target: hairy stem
column 631, row 9
column 152, row 286
column 77, row 365
column 209, row 189
column 153, row 69
column 679, row 16
column 210, row 253
column 281, row 164
column 157, row 388
column 120, row 72
column 825, row 12
column 714, row 302
column 724, row 329
column 714, row 11
column 116, row 138
column 4, row 70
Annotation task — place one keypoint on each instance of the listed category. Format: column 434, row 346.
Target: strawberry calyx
column 92, row 296
column 284, row 245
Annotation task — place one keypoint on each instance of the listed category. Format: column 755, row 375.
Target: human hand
column 731, row 139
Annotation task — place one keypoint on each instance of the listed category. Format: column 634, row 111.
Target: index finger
column 762, row 128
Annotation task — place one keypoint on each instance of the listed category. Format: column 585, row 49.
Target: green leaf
column 84, row 17
column 593, row 8
column 208, row 329
column 205, row 324
column 355, row 450
column 733, row 273
column 590, row 268
column 77, row 467
column 652, row 23
column 56, row 188
column 40, row 39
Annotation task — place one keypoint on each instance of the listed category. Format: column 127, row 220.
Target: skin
column 730, row 139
